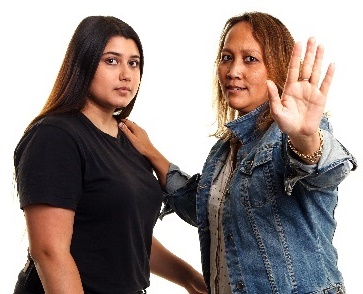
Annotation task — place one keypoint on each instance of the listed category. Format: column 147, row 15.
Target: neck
column 104, row 121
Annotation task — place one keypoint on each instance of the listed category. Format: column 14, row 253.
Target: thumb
column 272, row 90
column 273, row 96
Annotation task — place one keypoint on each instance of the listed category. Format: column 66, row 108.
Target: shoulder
column 66, row 122
column 70, row 125
column 51, row 131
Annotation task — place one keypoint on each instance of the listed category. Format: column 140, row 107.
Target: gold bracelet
column 313, row 158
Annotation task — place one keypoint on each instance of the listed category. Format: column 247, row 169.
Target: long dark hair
column 80, row 64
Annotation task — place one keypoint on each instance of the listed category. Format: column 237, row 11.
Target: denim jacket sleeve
column 333, row 167
column 180, row 195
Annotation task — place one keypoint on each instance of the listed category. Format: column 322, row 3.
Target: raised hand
column 299, row 111
column 302, row 104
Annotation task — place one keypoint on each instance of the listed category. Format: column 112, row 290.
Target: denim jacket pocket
column 256, row 178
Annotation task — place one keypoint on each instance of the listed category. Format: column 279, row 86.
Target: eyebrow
column 119, row 54
column 245, row 51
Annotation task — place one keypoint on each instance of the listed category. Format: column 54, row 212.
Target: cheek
column 100, row 79
column 221, row 72
column 135, row 87
column 137, row 82
column 258, row 78
column 258, row 82
column 97, row 85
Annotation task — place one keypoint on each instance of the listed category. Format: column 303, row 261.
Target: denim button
column 229, row 237
column 227, row 193
column 240, row 286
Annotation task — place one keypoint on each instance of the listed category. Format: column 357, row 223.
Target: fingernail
column 121, row 125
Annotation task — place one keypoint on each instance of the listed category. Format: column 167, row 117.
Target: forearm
column 58, row 274
column 167, row 265
column 159, row 163
column 50, row 232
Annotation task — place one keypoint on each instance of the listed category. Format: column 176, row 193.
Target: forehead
column 240, row 35
column 121, row 45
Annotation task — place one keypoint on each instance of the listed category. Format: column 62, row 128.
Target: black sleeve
column 48, row 168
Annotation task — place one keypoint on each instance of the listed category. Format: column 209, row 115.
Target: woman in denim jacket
column 264, row 203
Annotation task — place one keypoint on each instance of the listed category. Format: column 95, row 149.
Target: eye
column 111, row 60
column 225, row 57
column 134, row 63
column 250, row 59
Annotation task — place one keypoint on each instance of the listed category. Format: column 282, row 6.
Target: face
column 242, row 72
column 117, row 77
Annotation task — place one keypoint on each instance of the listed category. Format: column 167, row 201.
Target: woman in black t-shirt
column 90, row 199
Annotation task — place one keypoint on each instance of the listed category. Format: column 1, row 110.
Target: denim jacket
column 278, row 218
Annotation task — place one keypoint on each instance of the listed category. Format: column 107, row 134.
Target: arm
column 299, row 111
column 171, row 178
column 50, row 232
column 142, row 143
column 167, row 265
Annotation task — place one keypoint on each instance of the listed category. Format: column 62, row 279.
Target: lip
column 235, row 88
column 123, row 90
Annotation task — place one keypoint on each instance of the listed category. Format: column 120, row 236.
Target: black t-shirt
column 65, row 161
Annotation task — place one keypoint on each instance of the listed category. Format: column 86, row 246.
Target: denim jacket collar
column 245, row 126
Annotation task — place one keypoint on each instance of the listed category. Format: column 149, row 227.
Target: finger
column 130, row 124
column 127, row 122
column 294, row 65
column 307, row 65
column 325, row 85
column 124, row 128
column 275, row 101
column 316, row 70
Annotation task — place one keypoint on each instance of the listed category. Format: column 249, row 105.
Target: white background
column 174, row 104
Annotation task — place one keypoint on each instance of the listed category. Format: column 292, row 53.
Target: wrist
column 311, row 158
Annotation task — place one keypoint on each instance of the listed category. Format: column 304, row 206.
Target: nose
column 235, row 71
column 125, row 74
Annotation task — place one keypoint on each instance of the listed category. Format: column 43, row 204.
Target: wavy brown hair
column 277, row 44
column 80, row 63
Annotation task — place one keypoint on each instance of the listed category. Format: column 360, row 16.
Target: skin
column 244, row 82
column 115, row 83
column 50, row 229
column 167, row 265
column 242, row 72
column 243, row 77
column 245, row 85
column 300, row 108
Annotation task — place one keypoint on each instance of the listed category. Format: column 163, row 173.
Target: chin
column 237, row 106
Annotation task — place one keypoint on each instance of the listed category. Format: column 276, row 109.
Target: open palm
column 301, row 106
